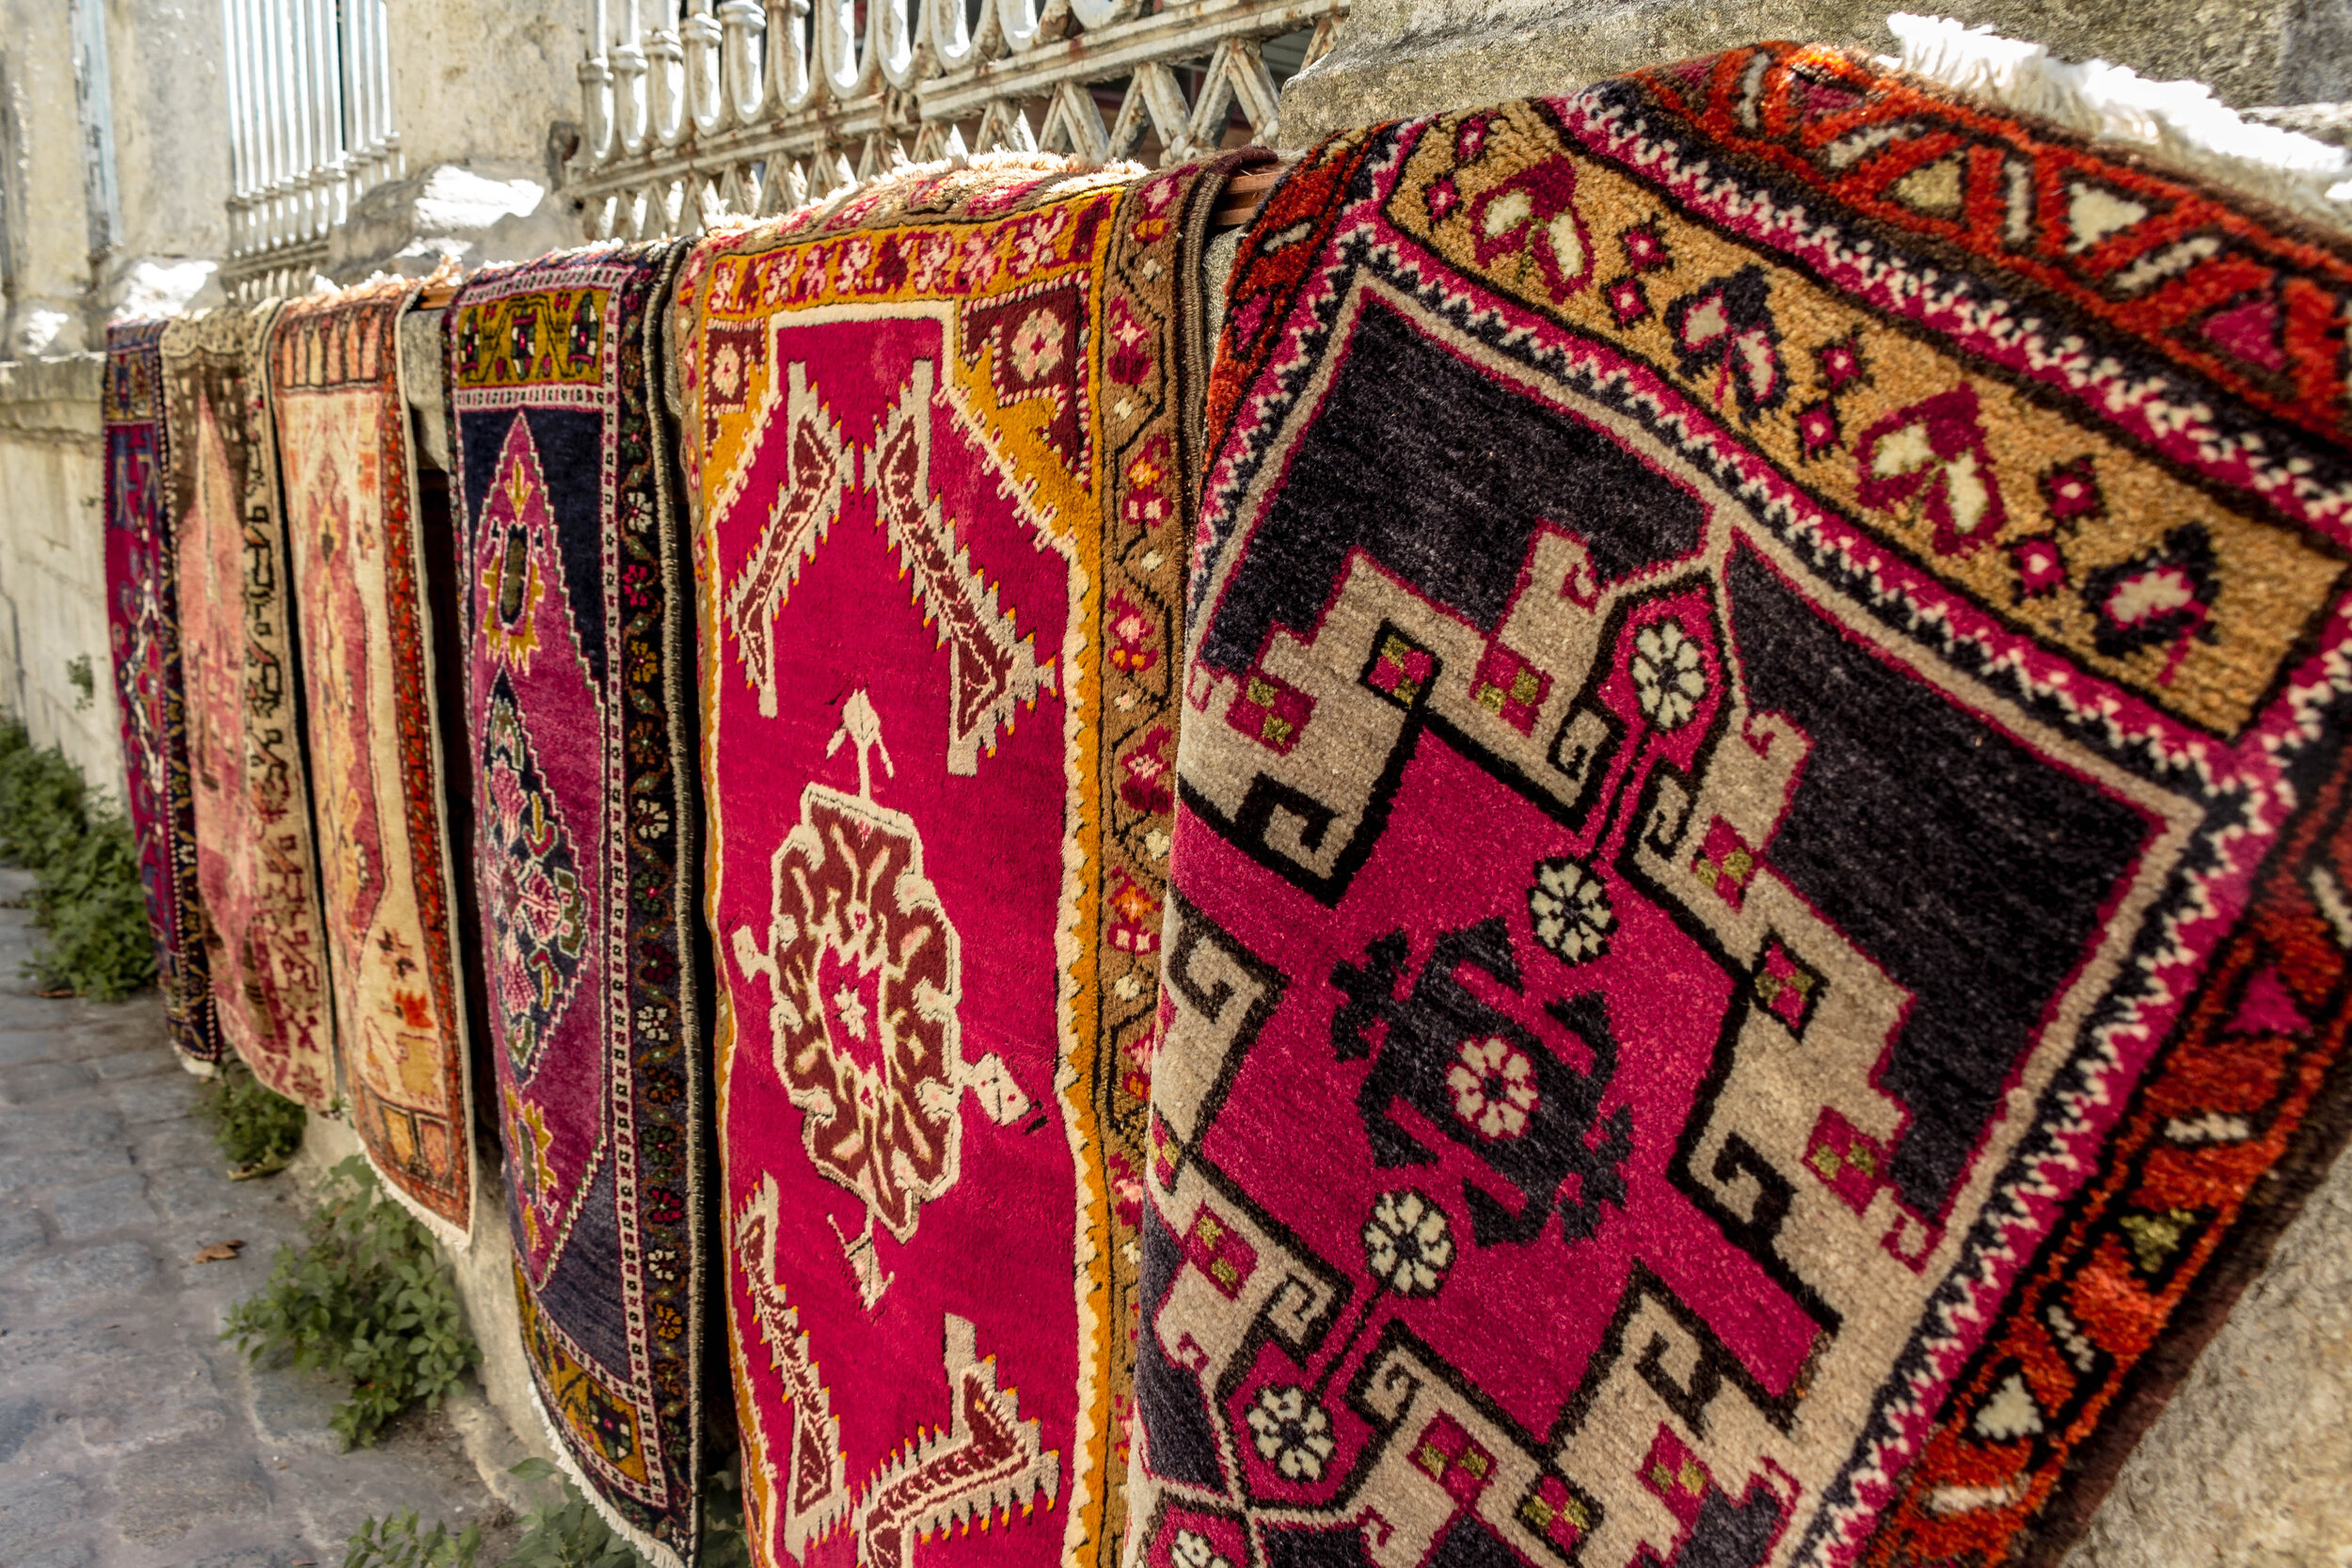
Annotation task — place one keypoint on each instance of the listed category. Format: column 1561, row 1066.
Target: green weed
column 399, row 1541
column 44, row 800
column 568, row 1533
column 367, row 1298
column 93, row 911
column 258, row 1128
column 724, row 1543
column 87, row 900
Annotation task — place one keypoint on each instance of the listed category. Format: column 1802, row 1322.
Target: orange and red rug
column 375, row 766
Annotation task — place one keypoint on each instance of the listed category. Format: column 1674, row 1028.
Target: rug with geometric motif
column 264, row 946
column 372, row 727
column 1764, row 870
column 578, row 626
column 935, row 434
column 143, row 635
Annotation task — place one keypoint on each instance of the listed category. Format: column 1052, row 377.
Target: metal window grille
column 310, row 132
column 755, row 106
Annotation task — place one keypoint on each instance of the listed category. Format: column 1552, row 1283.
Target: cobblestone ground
column 130, row 1436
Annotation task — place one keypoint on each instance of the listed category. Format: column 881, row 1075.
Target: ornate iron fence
column 759, row 105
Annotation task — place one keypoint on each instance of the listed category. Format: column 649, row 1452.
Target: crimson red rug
column 1762, row 889
column 934, row 438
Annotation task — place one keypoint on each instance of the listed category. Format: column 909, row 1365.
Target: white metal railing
column 756, row 107
column 311, row 130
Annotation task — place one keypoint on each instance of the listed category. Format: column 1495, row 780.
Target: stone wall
column 1400, row 58
column 53, row 590
column 44, row 223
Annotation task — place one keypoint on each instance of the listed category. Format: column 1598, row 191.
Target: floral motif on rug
column 375, row 765
column 143, row 632
column 1758, row 907
column 579, row 627
column 935, row 436
column 264, row 946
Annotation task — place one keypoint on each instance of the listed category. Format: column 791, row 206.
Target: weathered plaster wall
column 52, row 595
column 1396, row 57
column 45, row 259
column 170, row 103
column 2251, row 1462
column 475, row 90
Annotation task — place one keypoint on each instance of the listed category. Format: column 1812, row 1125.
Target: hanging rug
column 372, row 727
column 264, row 948
column 935, row 431
column 577, row 620
column 143, row 633
column 1760, row 895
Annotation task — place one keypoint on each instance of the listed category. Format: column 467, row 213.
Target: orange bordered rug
column 935, row 434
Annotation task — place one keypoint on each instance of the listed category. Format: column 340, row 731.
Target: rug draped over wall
column 375, row 767
column 143, row 628
column 1765, row 858
column 579, row 621
column 934, row 437
column 259, row 913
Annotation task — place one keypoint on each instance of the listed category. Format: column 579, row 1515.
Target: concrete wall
column 53, row 590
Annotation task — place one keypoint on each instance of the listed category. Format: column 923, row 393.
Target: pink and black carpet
column 1760, row 897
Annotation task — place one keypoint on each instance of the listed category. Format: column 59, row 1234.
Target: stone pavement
column 130, row 1436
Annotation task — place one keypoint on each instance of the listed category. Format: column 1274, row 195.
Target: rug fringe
column 651, row 1550
column 1003, row 162
column 451, row 1236
column 2181, row 123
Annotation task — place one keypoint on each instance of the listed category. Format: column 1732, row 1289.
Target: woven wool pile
column 1667, row 881
column 1761, row 803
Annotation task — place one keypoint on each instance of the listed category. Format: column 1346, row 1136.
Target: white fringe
column 647, row 1548
column 2179, row 123
column 455, row 1237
